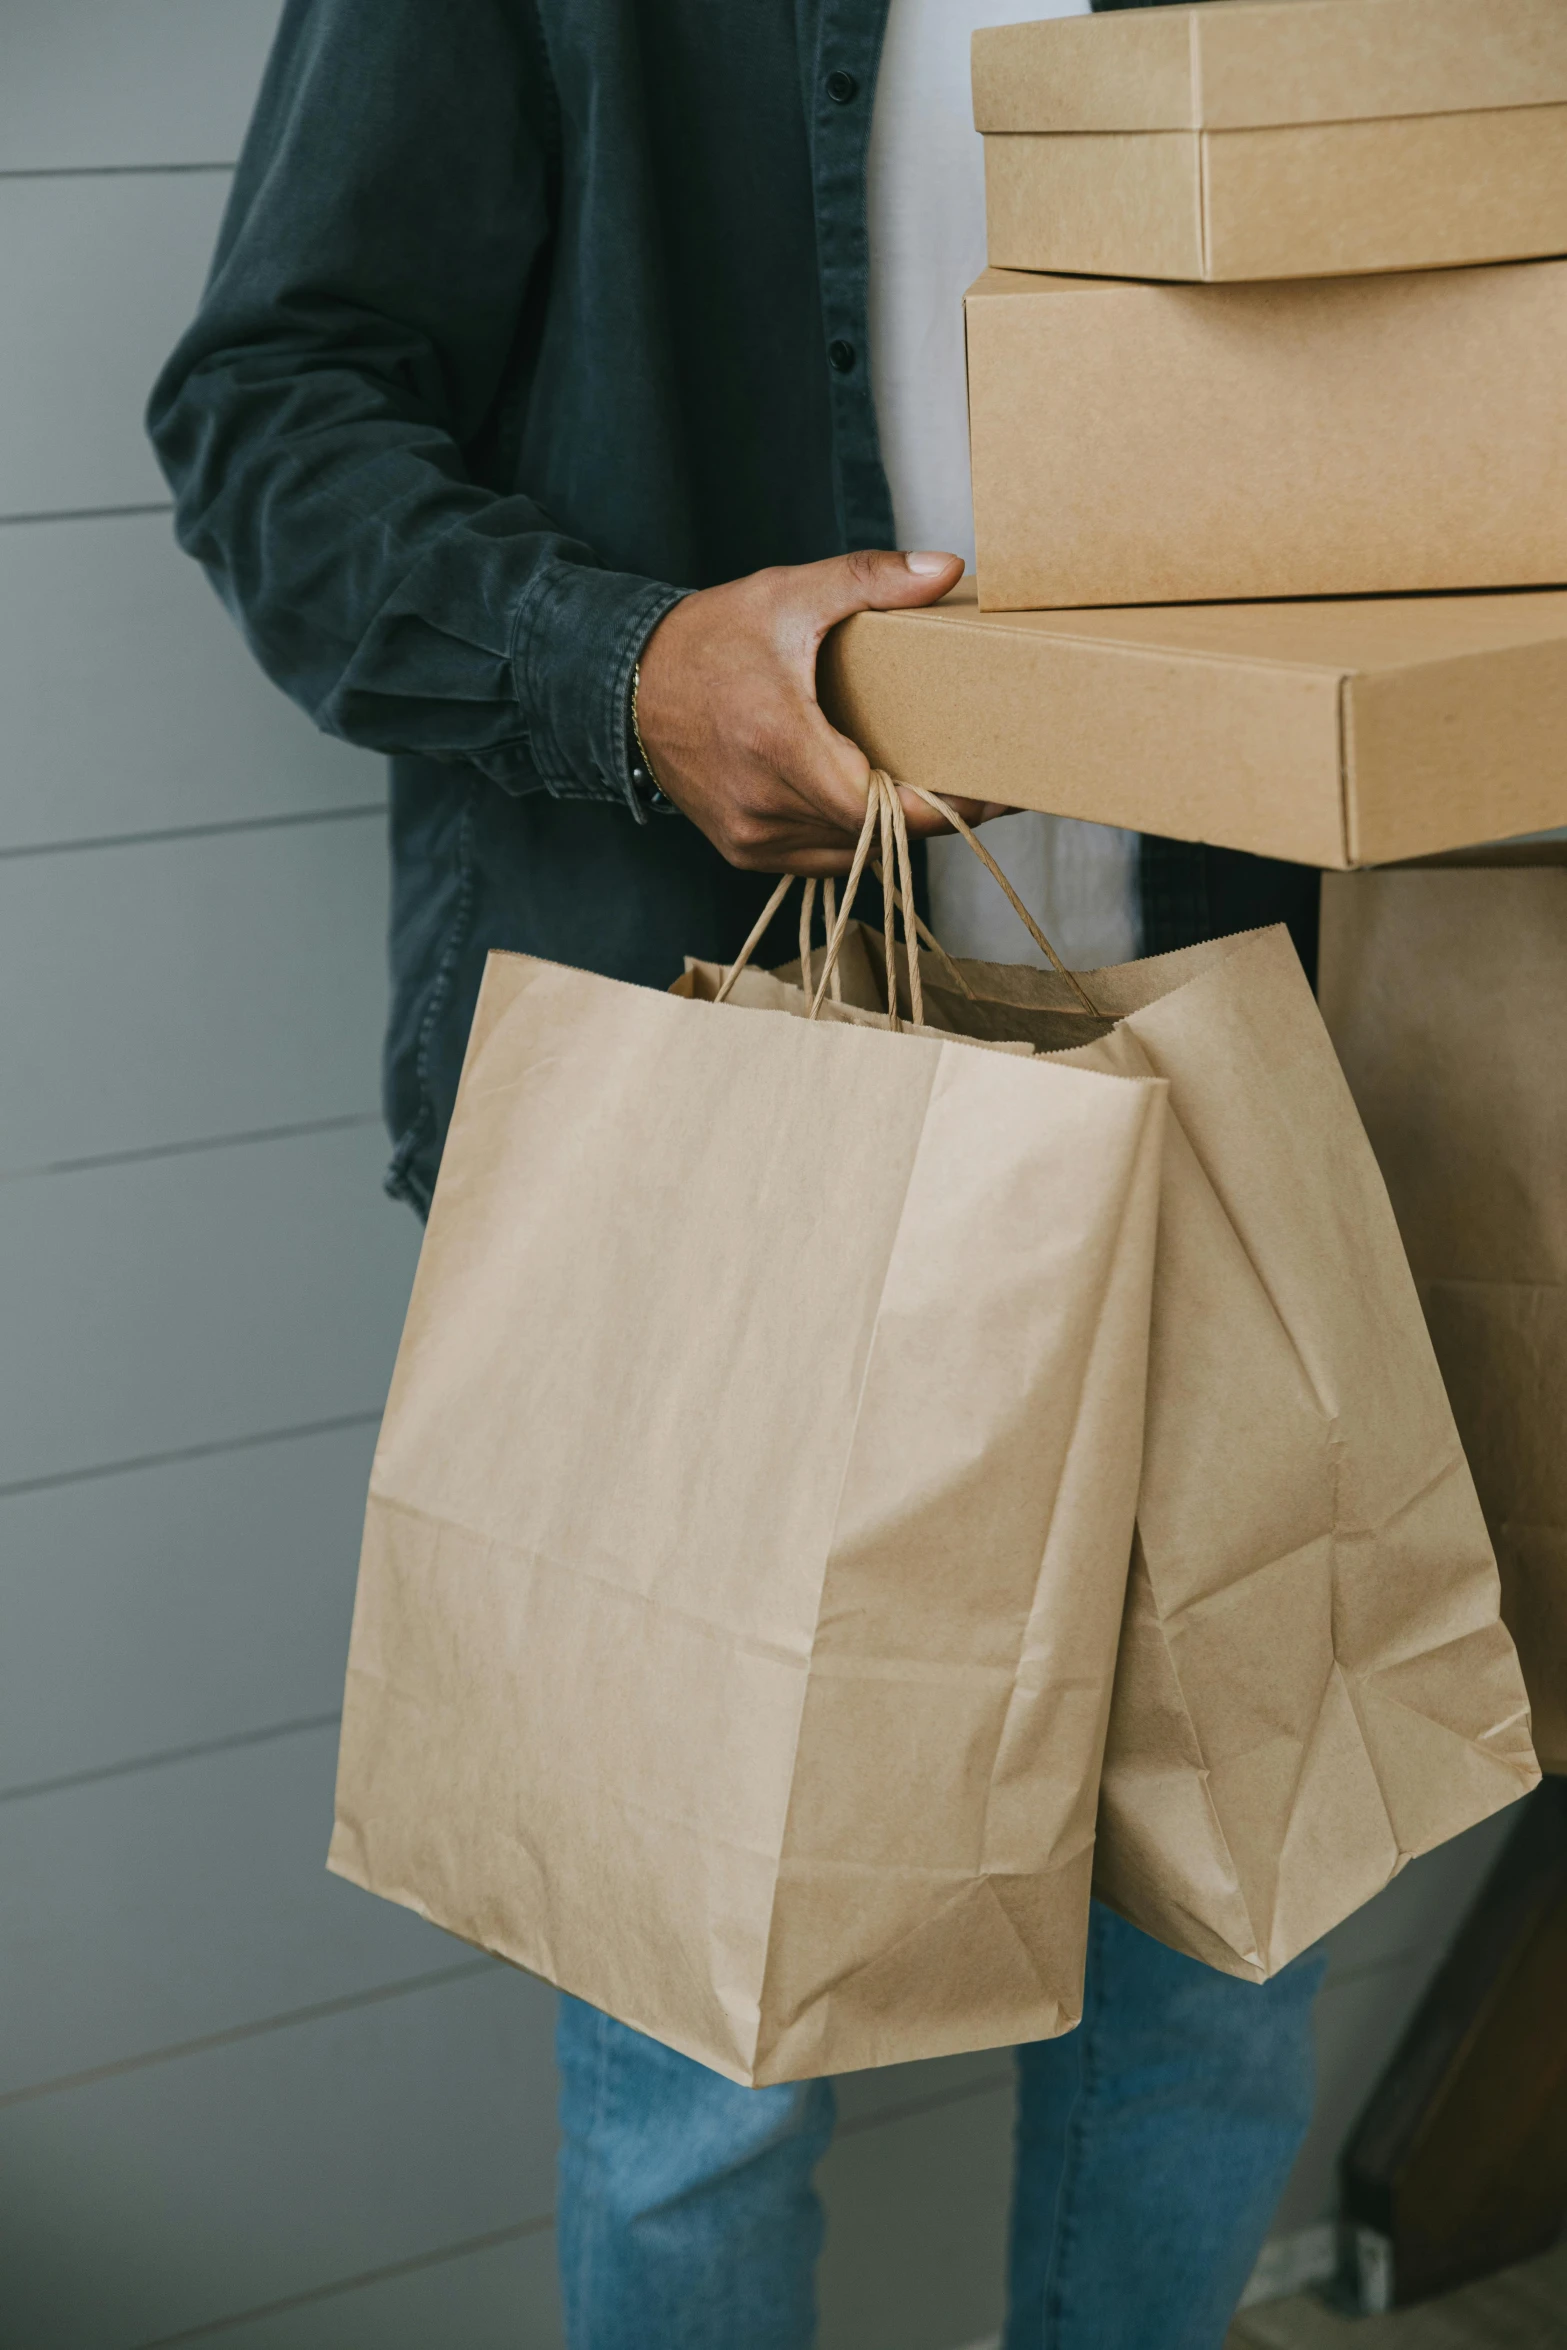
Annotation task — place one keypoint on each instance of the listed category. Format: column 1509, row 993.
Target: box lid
column 1248, row 64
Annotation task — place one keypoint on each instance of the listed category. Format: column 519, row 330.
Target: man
column 527, row 316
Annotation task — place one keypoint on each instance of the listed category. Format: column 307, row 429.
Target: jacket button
column 841, row 87
column 840, row 357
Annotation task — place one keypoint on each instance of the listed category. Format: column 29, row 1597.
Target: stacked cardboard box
column 1271, row 315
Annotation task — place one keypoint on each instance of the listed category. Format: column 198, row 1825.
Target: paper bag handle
column 884, row 815
column 933, row 800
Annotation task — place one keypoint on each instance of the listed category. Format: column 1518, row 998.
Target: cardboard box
column 1276, row 138
column 1335, row 734
column 1145, row 444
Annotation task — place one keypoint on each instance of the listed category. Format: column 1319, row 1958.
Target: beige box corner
column 1137, row 443
column 1276, row 138
column 1336, row 734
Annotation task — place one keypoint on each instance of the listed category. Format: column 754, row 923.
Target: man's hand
column 729, row 718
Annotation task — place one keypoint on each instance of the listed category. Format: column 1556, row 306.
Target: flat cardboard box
column 1276, row 138
column 1137, row 443
column 1335, row 734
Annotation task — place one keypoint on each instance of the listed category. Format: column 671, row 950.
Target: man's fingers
column 818, row 595
column 795, row 856
column 822, row 769
column 769, row 833
column 924, row 820
column 830, row 776
column 734, row 732
column 813, row 864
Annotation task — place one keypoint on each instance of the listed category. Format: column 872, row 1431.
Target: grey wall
column 228, row 2083
column 239, row 2102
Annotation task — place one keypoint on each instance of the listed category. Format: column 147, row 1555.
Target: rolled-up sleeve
column 383, row 258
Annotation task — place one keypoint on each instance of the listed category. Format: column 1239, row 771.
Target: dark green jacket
column 525, row 315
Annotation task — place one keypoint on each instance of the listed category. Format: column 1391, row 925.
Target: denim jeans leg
column 687, row 2217
column 1153, row 2143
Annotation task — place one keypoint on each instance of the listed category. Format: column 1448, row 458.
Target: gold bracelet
column 636, row 732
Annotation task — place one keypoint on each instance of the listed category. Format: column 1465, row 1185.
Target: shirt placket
column 842, row 93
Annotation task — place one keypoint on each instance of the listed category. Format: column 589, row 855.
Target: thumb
column 873, row 579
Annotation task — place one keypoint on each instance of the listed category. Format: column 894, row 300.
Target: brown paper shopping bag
column 1445, row 989
column 1314, row 1683
column 746, row 1543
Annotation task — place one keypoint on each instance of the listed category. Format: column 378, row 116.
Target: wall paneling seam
column 289, row 2019
column 342, row 2286
column 159, row 835
column 194, row 1751
column 287, row 1132
column 189, row 1452
column 108, row 171
column 85, row 513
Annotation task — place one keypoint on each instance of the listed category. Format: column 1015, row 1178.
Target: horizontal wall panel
column 98, row 277
column 116, row 82
column 199, row 1600
column 179, row 726
column 162, row 1906
column 185, row 1301
column 197, row 987
column 503, row 2297
column 164, row 2199
column 916, row 2220
column 916, row 2229
column 1422, row 1909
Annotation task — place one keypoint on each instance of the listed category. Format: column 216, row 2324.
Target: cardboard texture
column 747, row 1540
column 1295, row 138
column 1314, row 1681
column 1256, row 63
column 1139, row 444
column 1433, row 191
column 1335, row 734
column 1445, row 990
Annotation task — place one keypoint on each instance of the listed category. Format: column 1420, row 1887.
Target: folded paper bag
column 747, row 1538
column 1314, row 1681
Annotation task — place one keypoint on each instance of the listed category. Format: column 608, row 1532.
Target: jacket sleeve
column 379, row 261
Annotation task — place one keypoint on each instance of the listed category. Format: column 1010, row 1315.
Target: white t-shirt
column 925, row 200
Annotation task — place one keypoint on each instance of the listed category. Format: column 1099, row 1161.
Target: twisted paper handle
column 884, row 817
column 829, row 917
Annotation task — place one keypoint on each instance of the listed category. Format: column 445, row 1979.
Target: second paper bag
column 1445, row 987
column 1314, row 1681
column 747, row 1538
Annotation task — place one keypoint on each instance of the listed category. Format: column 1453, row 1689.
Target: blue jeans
column 1152, row 2144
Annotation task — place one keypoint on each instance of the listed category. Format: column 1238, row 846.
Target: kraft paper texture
column 747, row 1541
column 1445, row 989
column 1314, row 1681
